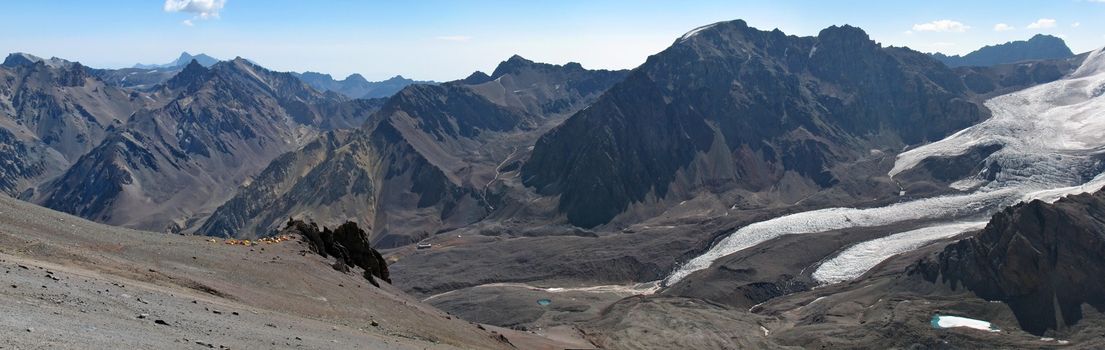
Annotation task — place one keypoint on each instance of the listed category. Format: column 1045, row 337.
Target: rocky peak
column 20, row 59
column 476, row 77
column 845, row 34
column 186, row 58
column 512, row 65
column 192, row 75
column 355, row 78
column 397, row 79
column 724, row 30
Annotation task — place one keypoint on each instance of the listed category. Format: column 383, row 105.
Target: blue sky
column 444, row 40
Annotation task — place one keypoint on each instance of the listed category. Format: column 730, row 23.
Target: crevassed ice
column 858, row 259
column 959, row 206
column 1052, row 145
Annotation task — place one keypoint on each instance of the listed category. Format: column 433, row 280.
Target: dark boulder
column 348, row 244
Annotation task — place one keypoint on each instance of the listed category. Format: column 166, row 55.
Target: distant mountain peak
column 512, row 65
column 356, row 86
column 476, row 77
column 19, row 59
column 1038, row 47
column 844, row 31
column 355, row 77
column 184, row 59
column 518, row 58
column 203, row 59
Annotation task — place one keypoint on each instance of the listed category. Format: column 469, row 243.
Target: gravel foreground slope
column 73, row 284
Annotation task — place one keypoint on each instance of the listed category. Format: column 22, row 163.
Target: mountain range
column 423, row 163
column 740, row 188
column 1039, row 47
column 356, row 86
column 184, row 59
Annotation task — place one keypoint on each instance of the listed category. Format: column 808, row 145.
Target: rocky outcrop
column 1046, row 261
column 1039, row 47
column 348, row 244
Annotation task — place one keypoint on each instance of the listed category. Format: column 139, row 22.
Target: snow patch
column 942, row 321
column 695, row 31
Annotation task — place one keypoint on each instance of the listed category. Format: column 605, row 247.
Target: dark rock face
column 773, row 103
column 1043, row 260
column 1039, row 47
column 348, row 244
column 105, row 172
column 18, row 163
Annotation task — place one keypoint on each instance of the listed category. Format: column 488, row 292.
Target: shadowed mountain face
column 1044, row 260
column 1039, row 47
column 169, row 165
column 52, row 112
column 356, row 86
column 421, row 164
column 731, row 107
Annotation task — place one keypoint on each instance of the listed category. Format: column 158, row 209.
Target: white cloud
column 1002, row 27
column 201, row 9
column 1076, row 24
column 454, row 38
column 943, row 25
column 1042, row 23
column 187, row 22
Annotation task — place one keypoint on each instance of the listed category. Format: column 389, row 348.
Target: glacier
column 1052, row 146
column 858, row 259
